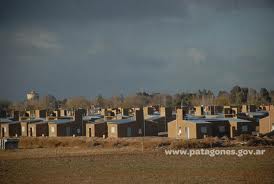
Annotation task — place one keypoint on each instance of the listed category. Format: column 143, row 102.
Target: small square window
column 222, row 129
column 244, row 128
column 204, row 130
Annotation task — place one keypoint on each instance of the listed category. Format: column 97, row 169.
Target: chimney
column 139, row 114
column 180, row 114
column 78, row 114
column 148, row 111
column 166, row 111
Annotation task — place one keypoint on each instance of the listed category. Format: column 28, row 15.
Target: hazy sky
column 83, row 48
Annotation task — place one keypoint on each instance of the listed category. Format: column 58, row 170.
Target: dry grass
column 149, row 143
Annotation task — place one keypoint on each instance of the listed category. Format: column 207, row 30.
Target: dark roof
column 121, row 121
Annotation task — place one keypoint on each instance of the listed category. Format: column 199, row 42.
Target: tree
column 271, row 94
column 48, row 102
column 4, row 104
column 100, row 101
column 264, row 96
column 17, row 106
column 77, row 102
column 252, row 97
column 238, row 95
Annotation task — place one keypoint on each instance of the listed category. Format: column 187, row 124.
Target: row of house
column 186, row 122
column 41, row 123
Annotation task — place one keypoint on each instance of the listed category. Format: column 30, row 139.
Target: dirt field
column 130, row 165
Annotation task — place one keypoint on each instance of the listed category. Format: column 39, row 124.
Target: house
column 209, row 110
column 198, row 129
column 36, row 113
column 67, row 126
column 61, row 127
column 89, row 119
column 203, row 127
column 131, row 127
column 10, row 128
column 96, row 128
column 248, row 108
column 241, row 126
column 38, row 128
column 266, row 124
column 231, row 111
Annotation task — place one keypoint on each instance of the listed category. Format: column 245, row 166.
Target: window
column 204, row 130
column 52, row 129
column 222, row 129
column 244, row 128
column 112, row 130
column 180, row 131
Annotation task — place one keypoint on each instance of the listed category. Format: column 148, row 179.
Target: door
column 3, row 132
column 67, row 131
column 128, row 132
column 30, row 132
column 89, row 132
column 187, row 132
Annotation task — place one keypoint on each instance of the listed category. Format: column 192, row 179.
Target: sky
column 89, row 47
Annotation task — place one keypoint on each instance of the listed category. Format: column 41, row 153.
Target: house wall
column 167, row 113
column 180, row 114
column 110, row 133
column 88, row 127
column 265, row 125
column 121, row 129
column 63, row 112
column 151, row 128
column 199, row 134
column 38, row 129
column 125, row 111
column 40, row 113
column 236, row 128
column 97, row 129
column 52, row 129
column 13, row 129
column 24, row 128
column 32, row 130
column 177, row 126
column 5, row 127
column 162, row 124
column 199, row 111
column 216, row 130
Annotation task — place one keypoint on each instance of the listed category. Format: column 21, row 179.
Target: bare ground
column 130, row 165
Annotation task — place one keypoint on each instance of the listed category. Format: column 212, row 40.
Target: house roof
column 5, row 120
column 258, row 113
column 61, row 121
column 199, row 121
column 93, row 117
column 153, row 117
column 211, row 120
column 122, row 121
column 34, row 120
